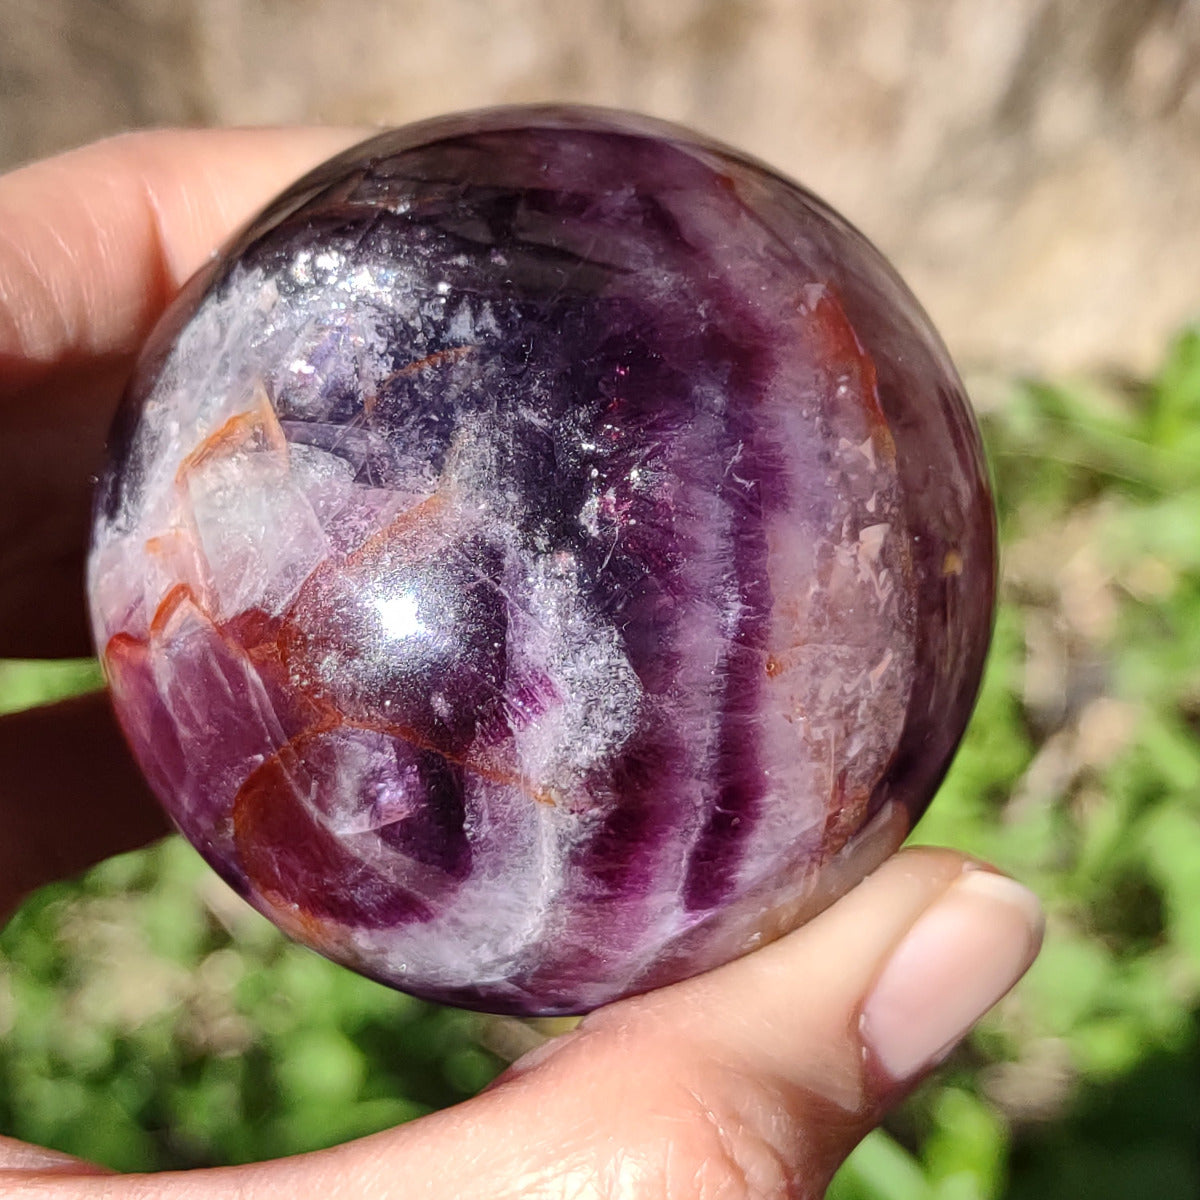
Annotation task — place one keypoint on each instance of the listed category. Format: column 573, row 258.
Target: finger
column 70, row 795
column 93, row 245
column 96, row 241
column 754, row 1081
column 23, row 1159
column 791, row 1055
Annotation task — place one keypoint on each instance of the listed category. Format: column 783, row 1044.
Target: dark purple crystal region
column 547, row 555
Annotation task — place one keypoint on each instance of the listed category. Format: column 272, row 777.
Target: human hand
column 754, row 1080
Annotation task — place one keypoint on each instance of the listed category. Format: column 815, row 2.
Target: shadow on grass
column 1137, row 1136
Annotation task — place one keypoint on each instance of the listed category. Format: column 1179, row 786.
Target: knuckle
column 692, row 1148
column 741, row 1150
column 691, row 1128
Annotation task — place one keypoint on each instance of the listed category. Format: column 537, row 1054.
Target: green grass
column 149, row 1020
column 26, row 684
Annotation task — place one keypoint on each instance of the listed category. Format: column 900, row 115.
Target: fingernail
column 958, row 960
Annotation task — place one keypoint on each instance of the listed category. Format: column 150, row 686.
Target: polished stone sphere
column 546, row 555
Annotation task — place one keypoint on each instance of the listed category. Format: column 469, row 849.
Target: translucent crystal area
column 546, row 556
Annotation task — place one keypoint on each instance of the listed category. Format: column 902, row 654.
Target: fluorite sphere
column 547, row 555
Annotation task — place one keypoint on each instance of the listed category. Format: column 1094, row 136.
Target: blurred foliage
column 148, row 1019
column 26, row 684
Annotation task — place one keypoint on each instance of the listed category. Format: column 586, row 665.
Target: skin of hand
column 753, row 1081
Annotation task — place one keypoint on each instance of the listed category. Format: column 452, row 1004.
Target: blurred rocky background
column 1033, row 166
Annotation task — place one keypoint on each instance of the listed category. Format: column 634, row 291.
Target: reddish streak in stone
column 402, row 526
column 180, row 556
column 121, row 647
column 439, row 358
column 126, row 666
column 839, row 350
column 256, row 429
column 256, row 631
column 845, row 814
column 252, row 638
column 180, row 594
column 298, row 863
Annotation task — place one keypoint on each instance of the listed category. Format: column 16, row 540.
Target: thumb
column 751, row 1082
column 758, row 1079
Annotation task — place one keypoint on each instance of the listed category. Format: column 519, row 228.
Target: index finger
column 93, row 246
column 95, row 242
